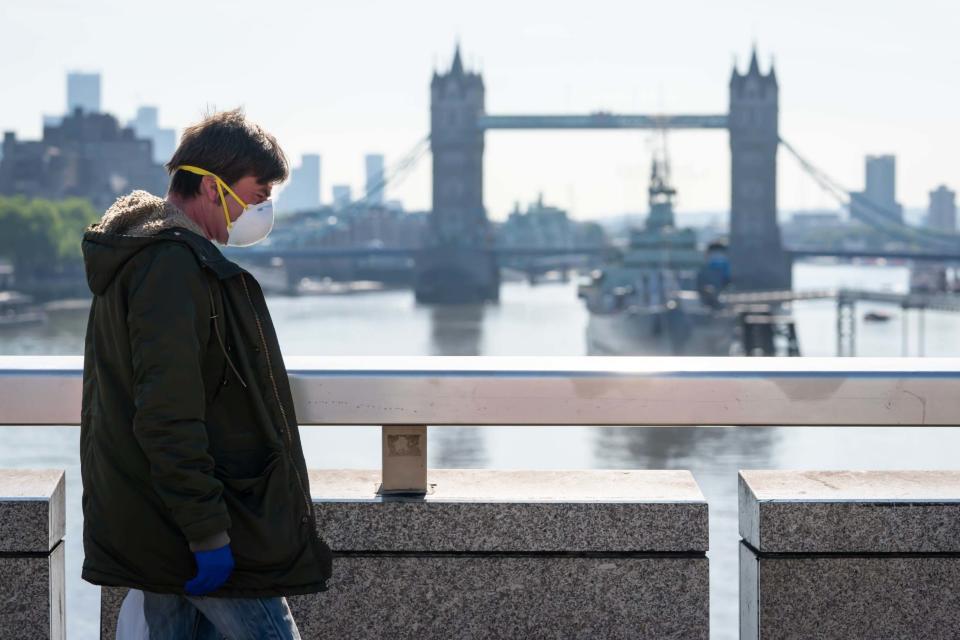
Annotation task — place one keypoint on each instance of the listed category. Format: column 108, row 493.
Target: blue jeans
column 175, row 617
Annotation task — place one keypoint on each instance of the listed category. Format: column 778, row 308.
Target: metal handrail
column 404, row 394
column 626, row 391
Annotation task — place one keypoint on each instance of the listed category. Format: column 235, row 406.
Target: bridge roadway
column 603, row 120
column 411, row 252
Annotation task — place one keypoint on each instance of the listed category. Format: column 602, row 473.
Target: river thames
column 542, row 320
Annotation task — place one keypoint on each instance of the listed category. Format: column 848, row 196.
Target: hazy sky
column 347, row 78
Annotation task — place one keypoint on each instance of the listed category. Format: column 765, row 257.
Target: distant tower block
column 375, row 184
column 756, row 250
column 83, row 92
column 460, row 265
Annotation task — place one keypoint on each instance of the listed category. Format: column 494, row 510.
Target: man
column 195, row 488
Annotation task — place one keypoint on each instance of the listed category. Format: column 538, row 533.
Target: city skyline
column 841, row 99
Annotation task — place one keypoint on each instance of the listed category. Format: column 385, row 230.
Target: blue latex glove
column 213, row 569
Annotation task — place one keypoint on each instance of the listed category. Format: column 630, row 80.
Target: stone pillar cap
column 515, row 511
column 850, row 511
column 32, row 510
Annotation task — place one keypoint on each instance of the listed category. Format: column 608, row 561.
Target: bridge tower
column 458, row 265
column 757, row 258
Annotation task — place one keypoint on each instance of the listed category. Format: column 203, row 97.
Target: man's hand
column 213, row 569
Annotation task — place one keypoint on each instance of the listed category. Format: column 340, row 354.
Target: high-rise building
column 83, row 92
column 342, row 195
column 146, row 120
column 878, row 200
column 881, row 179
column 374, row 186
column 303, row 190
column 88, row 155
column 942, row 214
column 312, row 167
column 146, row 124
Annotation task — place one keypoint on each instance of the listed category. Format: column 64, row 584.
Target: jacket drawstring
column 216, row 329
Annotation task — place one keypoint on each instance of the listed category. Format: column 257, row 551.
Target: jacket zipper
column 216, row 329
column 276, row 395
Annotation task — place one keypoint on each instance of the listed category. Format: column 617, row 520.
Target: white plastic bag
column 131, row 623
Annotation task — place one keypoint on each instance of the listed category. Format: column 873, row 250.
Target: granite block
column 33, row 596
column 461, row 596
column 493, row 597
column 850, row 511
column 841, row 597
column 515, row 511
column 110, row 600
column 749, row 592
column 32, row 510
column 507, row 554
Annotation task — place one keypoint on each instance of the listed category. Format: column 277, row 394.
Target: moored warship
column 660, row 294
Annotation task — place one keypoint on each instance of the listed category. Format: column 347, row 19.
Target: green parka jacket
column 188, row 428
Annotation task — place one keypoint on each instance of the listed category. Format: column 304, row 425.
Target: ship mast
column 660, row 193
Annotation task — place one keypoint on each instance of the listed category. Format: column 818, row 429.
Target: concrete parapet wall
column 420, row 596
column 511, row 554
column 842, row 554
column 32, row 575
column 507, row 554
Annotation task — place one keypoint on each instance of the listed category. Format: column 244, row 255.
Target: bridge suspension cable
column 394, row 174
column 871, row 213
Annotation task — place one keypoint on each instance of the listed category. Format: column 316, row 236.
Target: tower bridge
column 459, row 263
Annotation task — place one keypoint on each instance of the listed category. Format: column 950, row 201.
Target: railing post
column 32, row 524
column 404, row 459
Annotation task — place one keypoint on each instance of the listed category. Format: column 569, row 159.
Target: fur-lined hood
column 131, row 224
column 143, row 214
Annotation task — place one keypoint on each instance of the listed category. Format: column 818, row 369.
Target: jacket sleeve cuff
column 196, row 530
column 217, row 540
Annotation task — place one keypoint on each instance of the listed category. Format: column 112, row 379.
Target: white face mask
column 253, row 225
column 254, row 222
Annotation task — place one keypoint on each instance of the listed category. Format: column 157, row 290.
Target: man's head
column 244, row 156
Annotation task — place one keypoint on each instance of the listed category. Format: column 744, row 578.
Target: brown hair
column 226, row 144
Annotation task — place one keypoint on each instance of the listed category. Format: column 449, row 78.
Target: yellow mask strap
column 221, row 185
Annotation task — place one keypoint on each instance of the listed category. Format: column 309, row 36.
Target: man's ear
column 208, row 189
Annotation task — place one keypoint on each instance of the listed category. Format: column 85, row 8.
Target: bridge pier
column 456, row 275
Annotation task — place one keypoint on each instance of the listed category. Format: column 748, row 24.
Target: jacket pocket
column 250, row 484
column 264, row 534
